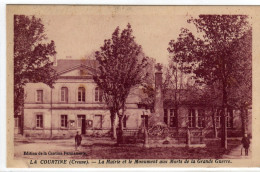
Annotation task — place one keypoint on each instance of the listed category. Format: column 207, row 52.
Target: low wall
column 47, row 133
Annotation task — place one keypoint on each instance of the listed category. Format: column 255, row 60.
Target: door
column 82, row 123
column 83, row 128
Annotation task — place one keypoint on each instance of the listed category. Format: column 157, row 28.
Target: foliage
column 147, row 91
column 241, row 84
column 221, row 33
column 184, row 49
column 215, row 59
column 31, row 56
column 217, row 62
column 120, row 69
column 181, row 60
column 219, row 58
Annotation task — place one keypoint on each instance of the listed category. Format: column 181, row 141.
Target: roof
column 65, row 64
column 190, row 96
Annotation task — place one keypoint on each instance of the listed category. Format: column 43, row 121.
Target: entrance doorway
column 82, row 123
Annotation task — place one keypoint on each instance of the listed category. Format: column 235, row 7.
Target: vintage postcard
column 132, row 86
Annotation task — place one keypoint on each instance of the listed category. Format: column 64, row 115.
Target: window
column 64, row 121
column 173, row 118
column 201, row 118
column 39, row 121
column 230, row 118
column 165, row 117
column 39, row 97
column 192, row 118
column 81, row 94
column 64, row 94
column 218, row 119
column 98, row 95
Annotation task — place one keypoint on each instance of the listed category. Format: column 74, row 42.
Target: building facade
column 200, row 118
column 75, row 104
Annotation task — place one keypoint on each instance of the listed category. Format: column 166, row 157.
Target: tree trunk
column 114, row 130
column 19, row 107
column 188, row 138
column 224, row 129
column 113, row 124
column 120, row 129
column 22, row 122
column 177, row 118
column 223, row 116
column 242, row 115
column 214, row 123
column 244, row 119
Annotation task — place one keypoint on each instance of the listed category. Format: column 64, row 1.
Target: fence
column 137, row 136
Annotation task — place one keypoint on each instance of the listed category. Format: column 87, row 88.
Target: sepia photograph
column 135, row 85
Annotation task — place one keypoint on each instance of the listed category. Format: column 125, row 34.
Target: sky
column 80, row 35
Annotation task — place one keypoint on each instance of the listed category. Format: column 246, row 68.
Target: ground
column 105, row 148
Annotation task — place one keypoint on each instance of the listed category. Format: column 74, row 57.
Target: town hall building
column 73, row 104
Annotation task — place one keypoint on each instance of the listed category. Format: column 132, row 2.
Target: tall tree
column 31, row 57
column 181, row 52
column 241, row 84
column 214, row 54
column 212, row 59
column 120, row 70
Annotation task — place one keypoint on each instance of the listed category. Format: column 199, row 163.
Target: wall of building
column 52, row 108
column 72, row 85
column 30, row 93
column 30, row 128
column 52, row 122
column 208, row 130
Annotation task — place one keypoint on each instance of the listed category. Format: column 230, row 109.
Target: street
column 105, row 148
